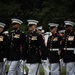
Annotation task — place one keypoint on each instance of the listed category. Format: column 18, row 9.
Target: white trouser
column 70, row 68
column 33, row 69
column 62, row 63
column 45, row 67
column 28, row 65
column 2, row 72
column 22, row 64
column 55, row 69
column 14, row 68
column 8, row 63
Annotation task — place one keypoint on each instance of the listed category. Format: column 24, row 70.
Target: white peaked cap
column 14, row 20
column 53, row 25
column 47, row 33
column 61, row 31
column 69, row 23
column 5, row 32
column 40, row 27
column 32, row 22
column 2, row 24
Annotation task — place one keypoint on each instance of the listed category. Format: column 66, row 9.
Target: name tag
column 70, row 38
column 1, row 38
column 34, row 38
column 55, row 39
column 17, row 36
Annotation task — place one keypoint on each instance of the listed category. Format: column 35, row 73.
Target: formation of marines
column 37, row 48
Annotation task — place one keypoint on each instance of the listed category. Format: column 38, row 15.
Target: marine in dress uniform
column 61, row 33
column 16, row 39
column 3, row 47
column 22, row 67
column 23, row 61
column 46, row 35
column 53, row 46
column 45, row 53
column 35, row 45
column 68, row 44
column 6, row 62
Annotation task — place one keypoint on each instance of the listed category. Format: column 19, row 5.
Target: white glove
column 4, row 59
column 21, row 60
column 62, row 62
column 44, row 61
column 25, row 61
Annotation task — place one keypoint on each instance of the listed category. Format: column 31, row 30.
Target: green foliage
column 43, row 10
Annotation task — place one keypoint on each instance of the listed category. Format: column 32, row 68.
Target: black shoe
column 6, row 72
column 49, row 73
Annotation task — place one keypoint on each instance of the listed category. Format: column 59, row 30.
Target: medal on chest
column 1, row 38
column 34, row 38
column 70, row 38
column 17, row 36
column 55, row 39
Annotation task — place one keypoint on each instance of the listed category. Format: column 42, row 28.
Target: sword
column 37, row 69
column 4, row 67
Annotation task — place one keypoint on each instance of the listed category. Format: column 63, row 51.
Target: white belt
column 69, row 48
column 54, row 49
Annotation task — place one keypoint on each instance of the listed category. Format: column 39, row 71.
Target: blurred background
column 44, row 11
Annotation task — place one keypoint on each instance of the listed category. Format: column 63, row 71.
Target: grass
column 42, row 71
